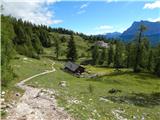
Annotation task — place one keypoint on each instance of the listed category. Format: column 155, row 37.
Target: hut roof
column 72, row 66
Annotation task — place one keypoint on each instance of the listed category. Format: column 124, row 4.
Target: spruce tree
column 150, row 61
column 72, row 52
column 110, row 55
column 129, row 54
column 157, row 61
column 95, row 55
column 57, row 46
column 138, row 57
column 103, row 57
column 118, row 55
column 7, row 51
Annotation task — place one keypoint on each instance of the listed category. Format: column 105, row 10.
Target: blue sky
column 89, row 17
column 100, row 17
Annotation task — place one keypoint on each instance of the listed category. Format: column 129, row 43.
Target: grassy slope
column 81, row 44
column 91, row 107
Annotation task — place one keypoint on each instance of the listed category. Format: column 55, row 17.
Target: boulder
column 62, row 84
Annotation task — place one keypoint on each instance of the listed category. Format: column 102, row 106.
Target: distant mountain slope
column 112, row 35
column 152, row 32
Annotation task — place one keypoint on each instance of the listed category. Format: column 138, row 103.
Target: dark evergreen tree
column 118, row 55
column 157, row 61
column 95, row 55
column 7, row 51
column 110, row 55
column 37, row 44
column 138, row 57
column 57, row 46
column 129, row 55
column 72, row 52
column 103, row 57
column 150, row 61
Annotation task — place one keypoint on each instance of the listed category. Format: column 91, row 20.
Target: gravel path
column 37, row 104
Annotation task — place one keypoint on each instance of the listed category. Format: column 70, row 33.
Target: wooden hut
column 74, row 68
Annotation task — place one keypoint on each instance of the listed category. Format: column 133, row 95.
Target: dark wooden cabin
column 74, row 68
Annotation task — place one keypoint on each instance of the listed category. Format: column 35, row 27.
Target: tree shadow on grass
column 138, row 99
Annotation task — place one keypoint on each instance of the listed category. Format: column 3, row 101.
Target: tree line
column 138, row 54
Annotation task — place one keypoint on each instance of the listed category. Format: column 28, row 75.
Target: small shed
column 74, row 68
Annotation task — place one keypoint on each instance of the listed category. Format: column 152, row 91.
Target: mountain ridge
column 152, row 32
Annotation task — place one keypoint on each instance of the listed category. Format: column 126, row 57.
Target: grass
column 139, row 97
column 24, row 67
column 82, row 45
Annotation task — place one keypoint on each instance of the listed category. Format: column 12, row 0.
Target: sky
column 89, row 17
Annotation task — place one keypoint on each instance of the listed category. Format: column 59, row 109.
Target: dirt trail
column 37, row 104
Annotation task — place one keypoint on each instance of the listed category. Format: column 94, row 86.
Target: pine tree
column 157, row 61
column 57, row 46
column 150, row 61
column 44, row 38
column 103, row 57
column 157, row 67
column 95, row 55
column 129, row 53
column 145, row 46
column 72, row 52
column 118, row 55
column 110, row 55
column 138, row 57
column 37, row 44
column 7, row 51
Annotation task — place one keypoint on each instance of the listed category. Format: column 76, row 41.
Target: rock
column 3, row 106
column 25, row 58
column 62, row 84
column 17, row 94
column 9, row 106
column 105, row 100
column 113, row 90
column 3, row 93
column 2, row 100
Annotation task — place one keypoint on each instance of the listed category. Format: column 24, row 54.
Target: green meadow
column 87, row 98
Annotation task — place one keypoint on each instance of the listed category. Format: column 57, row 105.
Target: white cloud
column 153, row 5
column 84, row 6
column 154, row 19
column 81, row 12
column 35, row 11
